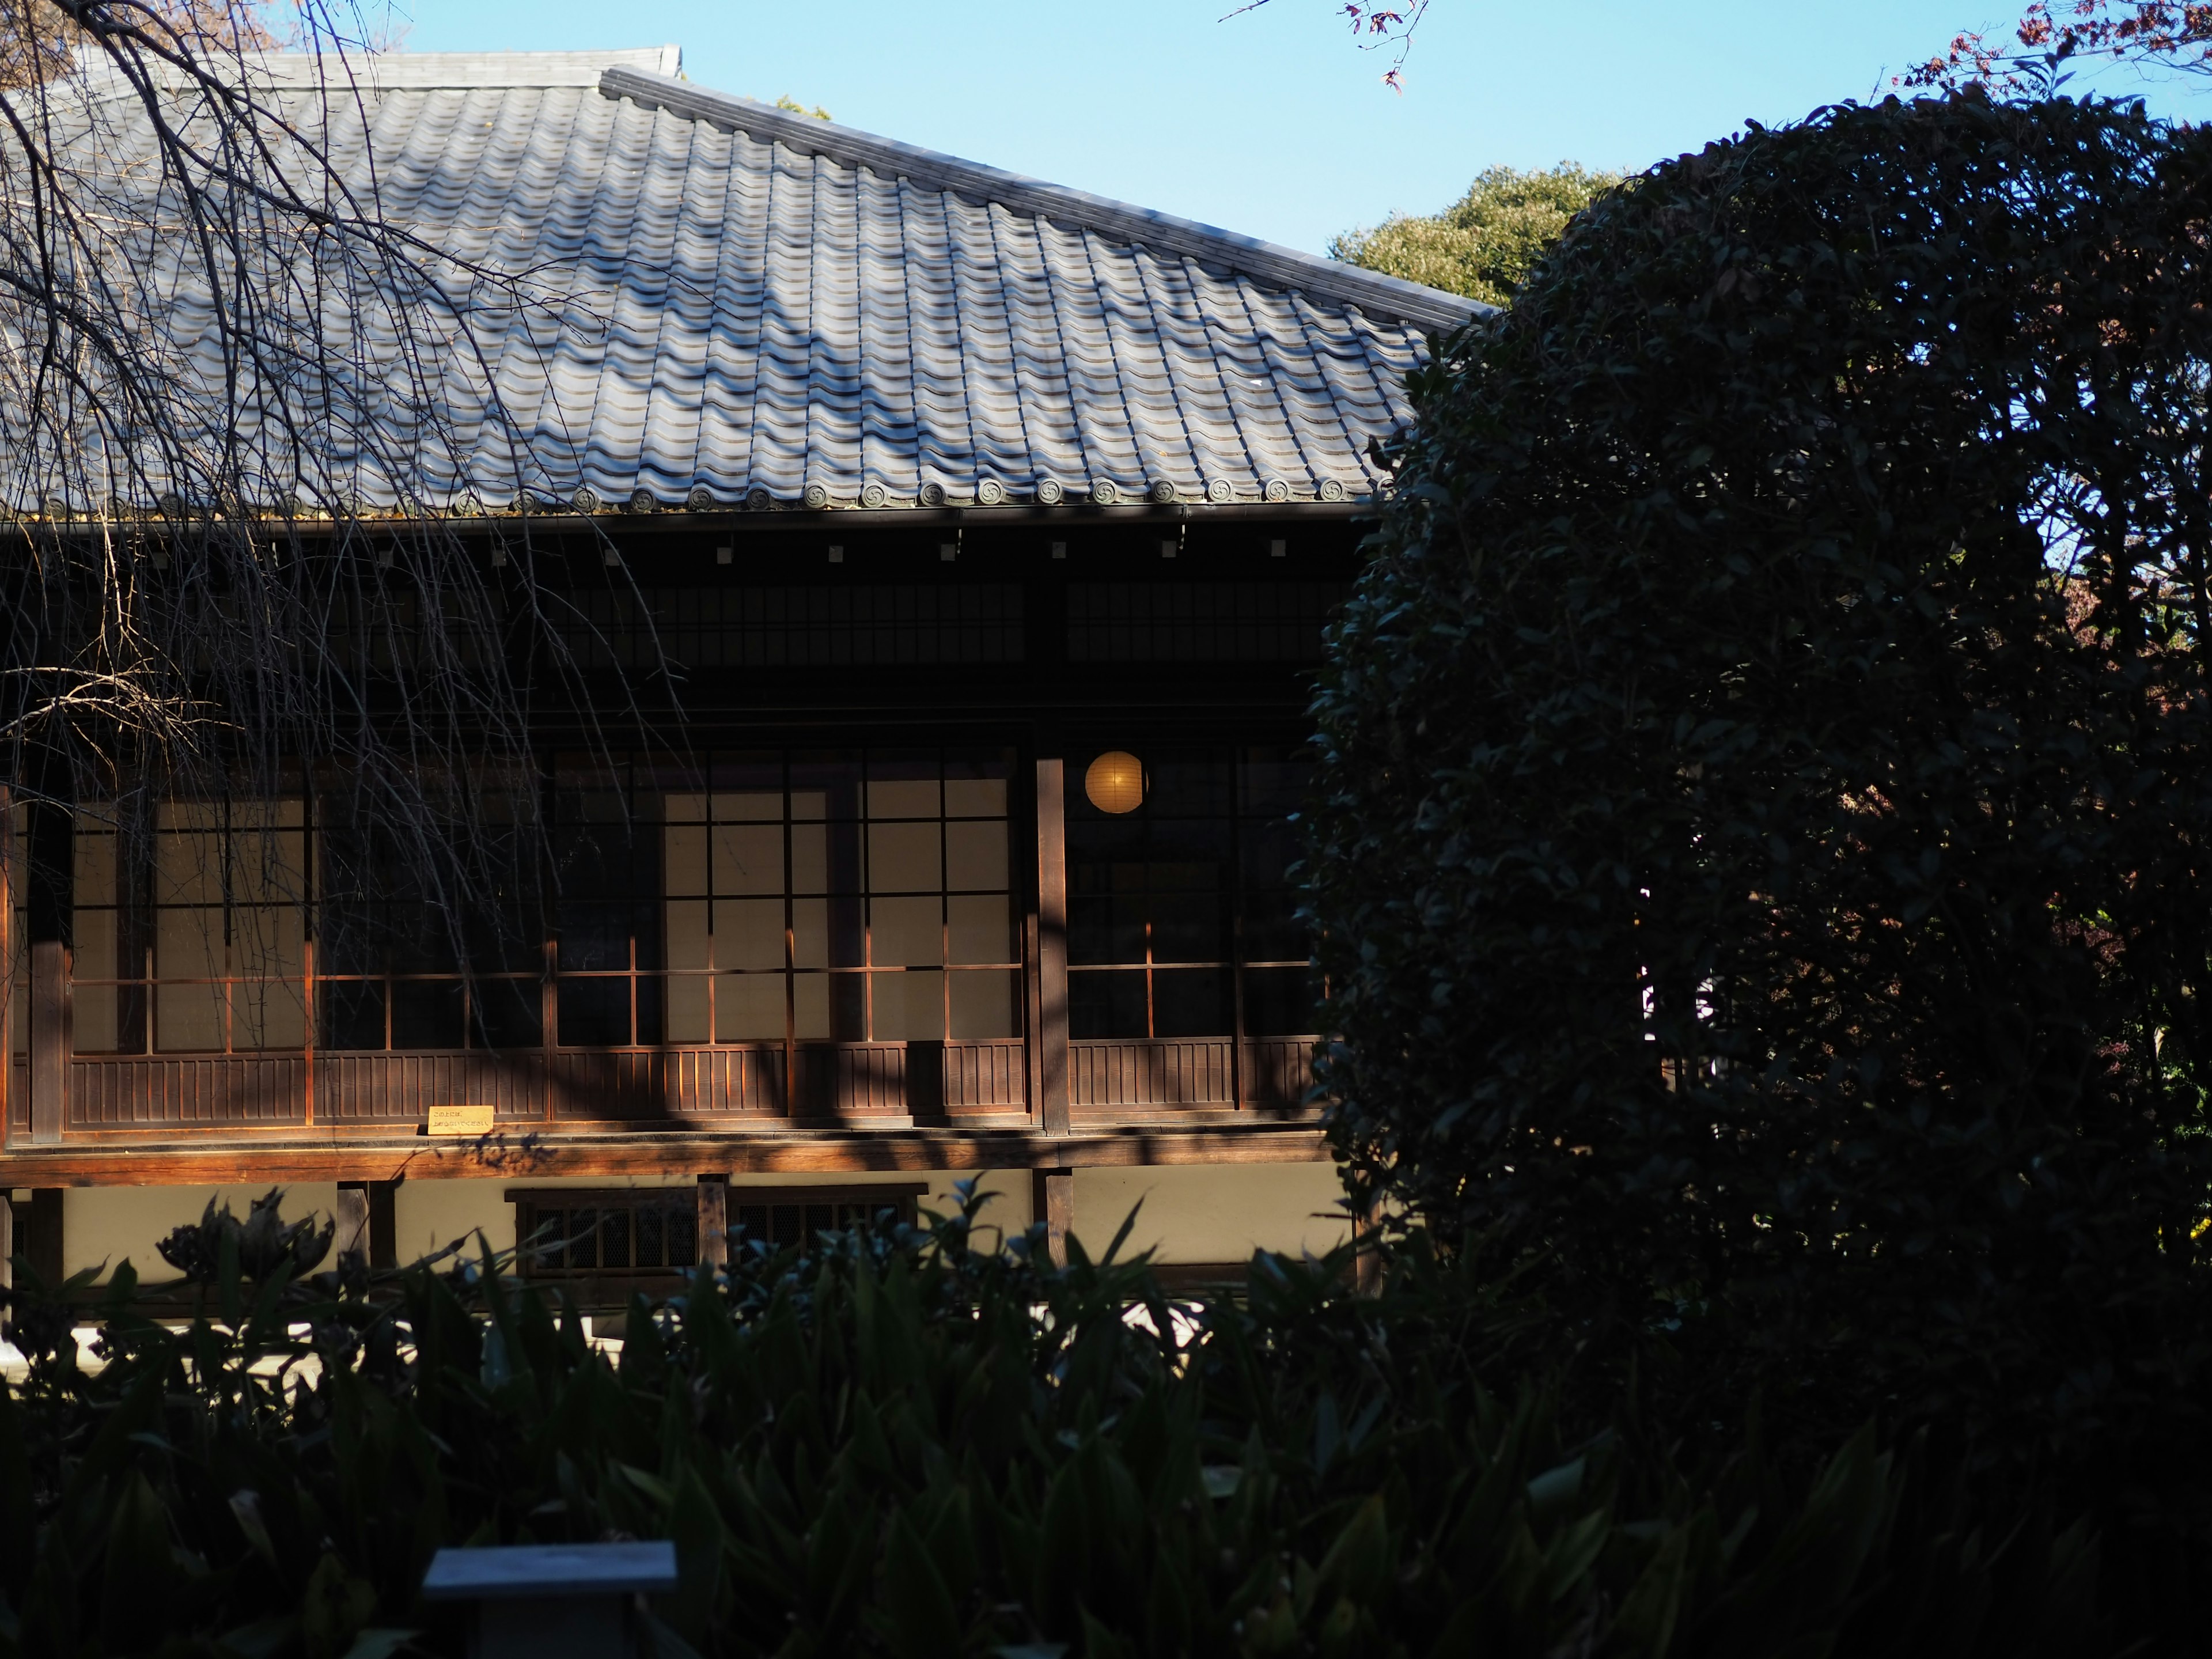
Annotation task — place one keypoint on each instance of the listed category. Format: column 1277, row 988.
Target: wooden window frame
column 818, row 1207
column 903, row 1196
column 849, row 984
column 533, row 1205
column 1237, row 894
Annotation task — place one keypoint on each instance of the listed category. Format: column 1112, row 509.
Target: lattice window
column 1182, row 916
column 215, row 926
column 642, row 1232
column 191, row 934
column 619, row 1232
column 809, row 897
column 795, row 1215
column 403, row 962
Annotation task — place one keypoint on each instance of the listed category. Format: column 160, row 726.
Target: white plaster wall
column 1192, row 1213
column 1007, row 1212
column 1213, row 1212
column 101, row 1225
column 429, row 1214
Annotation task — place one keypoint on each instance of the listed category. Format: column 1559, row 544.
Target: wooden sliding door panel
column 986, row 1077
column 598, row 1087
column 211, row 1092
column 1162, row 1073
column 641, row 1087
column 844, row 1080
column 401, row 1087
column 1278, row 1071
column 726, row 1081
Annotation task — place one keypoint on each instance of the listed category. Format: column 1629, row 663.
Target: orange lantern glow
column 1116, row 783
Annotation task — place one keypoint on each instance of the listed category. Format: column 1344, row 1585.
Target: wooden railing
column 1125, row 1080
column 113, row 1096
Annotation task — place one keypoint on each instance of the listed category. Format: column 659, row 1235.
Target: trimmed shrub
column 890, row 1441
column 1761, row 851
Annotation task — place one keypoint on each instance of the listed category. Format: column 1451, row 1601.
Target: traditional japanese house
column 990, row 529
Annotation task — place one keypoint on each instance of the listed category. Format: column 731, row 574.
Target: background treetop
column 1485, row 244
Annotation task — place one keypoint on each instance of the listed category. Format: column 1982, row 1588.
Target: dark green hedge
column 894, row 1444
column 1762, row 855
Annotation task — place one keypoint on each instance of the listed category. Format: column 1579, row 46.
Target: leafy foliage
column 891, row 1442
column 1761, row 858
column 1484, row 245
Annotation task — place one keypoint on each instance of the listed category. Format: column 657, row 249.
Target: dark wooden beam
column 367, row 1222
column 297, row 1157
column 50, row 1039
column 1052, row 1204
column 715, row 1220
column 51, row 850
column 1051, row 1003
column 352, row 1237
column 383, row 1224
column 39, row 1234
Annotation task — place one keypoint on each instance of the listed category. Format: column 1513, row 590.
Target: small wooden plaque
column 460, row 1120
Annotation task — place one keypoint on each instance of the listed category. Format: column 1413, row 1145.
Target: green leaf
column 921, row 1620
column 265, row 1638
column 696, row 1525
column 1554, row 1489
column 139, row 1576
column 333, row 1608
column 1357, row 1564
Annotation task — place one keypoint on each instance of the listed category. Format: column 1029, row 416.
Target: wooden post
column 1366, row 1260
column 713, row 1220
column 39, row 1234
column 383, row 1224
column 1052, row 945
column 367, row 1224
column 47, row 870
column 11, row 858
column 1052, row 1201
column 353, row 1229
column 50, row 1039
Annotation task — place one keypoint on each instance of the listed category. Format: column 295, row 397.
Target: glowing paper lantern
column 1116, row 783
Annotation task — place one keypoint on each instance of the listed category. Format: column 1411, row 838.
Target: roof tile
column 727, row 299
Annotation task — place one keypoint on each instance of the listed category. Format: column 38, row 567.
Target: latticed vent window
column 638, row 1232
column 1198, row 622
column 795, row 1215
column 860, row 626
column 571, row 1232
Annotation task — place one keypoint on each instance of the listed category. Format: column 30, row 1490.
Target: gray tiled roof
column 740, row 304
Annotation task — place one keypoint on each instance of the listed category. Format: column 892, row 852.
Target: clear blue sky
column 1270, row 122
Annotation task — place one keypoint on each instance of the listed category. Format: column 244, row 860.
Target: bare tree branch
column 249, row 438
column 2147, row 33
column 1377, row 28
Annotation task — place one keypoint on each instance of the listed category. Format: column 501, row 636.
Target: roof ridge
column 1370, row 290
column 339, row 67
